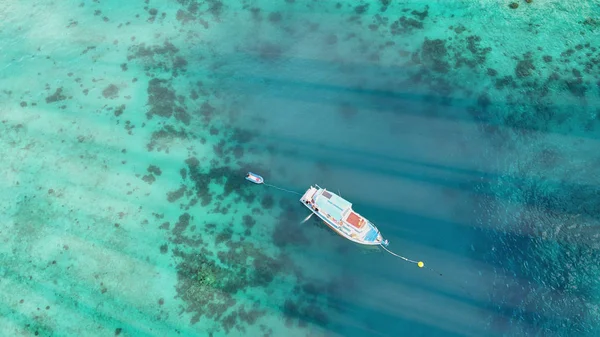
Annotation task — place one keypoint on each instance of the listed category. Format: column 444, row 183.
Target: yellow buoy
column 420, row 264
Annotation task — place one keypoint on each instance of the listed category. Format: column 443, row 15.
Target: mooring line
column 418, row 263
column 282, row 189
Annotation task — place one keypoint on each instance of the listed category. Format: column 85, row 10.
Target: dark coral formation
column 182, row 233
column 201, row 177
column 385, row 4
column 248, row 221
column 162, row 138
column 438, row 57
column 433, row 55
column 206, row 112
column 477, row 54
column 149, row 178
column 57, row 96
column 200, row 280
column 111, row 92
column 177, row 194
column 405, row 24
column 161, row 99
column 119, row 110
column 534, row 109
column 195, row 10
column 209, row 288
column 525, row 66
column 529, row 89
column 159, row 57
column 154, row 170
column 361, row 9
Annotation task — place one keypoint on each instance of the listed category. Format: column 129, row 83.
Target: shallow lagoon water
column 467, row 131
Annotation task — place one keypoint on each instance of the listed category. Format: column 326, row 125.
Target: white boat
column 338, row 214
column 255, row 178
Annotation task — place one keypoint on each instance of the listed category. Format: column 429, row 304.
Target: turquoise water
column 466, row 130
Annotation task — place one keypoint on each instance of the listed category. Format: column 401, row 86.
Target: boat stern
column 308, row 196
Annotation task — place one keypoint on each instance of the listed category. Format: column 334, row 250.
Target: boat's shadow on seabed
column 318, row 227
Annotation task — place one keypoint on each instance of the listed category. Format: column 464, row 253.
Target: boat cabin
column 338, row 214
column 339, row 211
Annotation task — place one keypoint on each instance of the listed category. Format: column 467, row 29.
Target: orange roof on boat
column 355, row 220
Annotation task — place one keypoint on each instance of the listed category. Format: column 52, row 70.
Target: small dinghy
column 255, row 178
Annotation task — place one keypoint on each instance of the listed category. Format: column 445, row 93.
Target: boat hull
column 339, row 232
column 338, row 229
column 255, row 178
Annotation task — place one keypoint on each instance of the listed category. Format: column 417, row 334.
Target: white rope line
column 402, row 257
column 282, row 189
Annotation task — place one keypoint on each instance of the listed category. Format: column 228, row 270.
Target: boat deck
column 355, row 220
column 339, row 215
